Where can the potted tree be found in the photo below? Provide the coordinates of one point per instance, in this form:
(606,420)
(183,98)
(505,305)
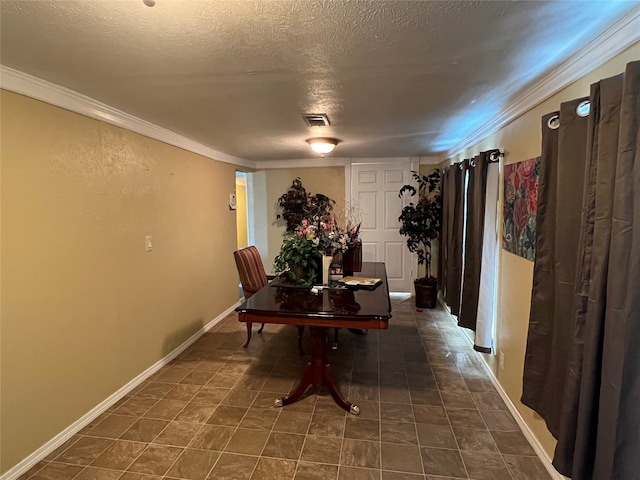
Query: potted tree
(420,223)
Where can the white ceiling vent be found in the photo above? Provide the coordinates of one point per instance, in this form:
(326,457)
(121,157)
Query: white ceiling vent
(316,119)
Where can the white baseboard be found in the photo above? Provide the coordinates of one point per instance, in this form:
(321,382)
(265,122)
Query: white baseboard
(79,424)
(526,431)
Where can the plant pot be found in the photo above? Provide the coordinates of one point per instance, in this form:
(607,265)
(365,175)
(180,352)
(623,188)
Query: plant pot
(426,293)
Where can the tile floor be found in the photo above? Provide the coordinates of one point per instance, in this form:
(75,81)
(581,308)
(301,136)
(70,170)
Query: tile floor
(428,412)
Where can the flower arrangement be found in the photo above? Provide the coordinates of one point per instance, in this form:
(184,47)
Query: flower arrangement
(312,230)
(326,235)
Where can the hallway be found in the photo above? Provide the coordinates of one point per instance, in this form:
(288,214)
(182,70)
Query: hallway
(429,412)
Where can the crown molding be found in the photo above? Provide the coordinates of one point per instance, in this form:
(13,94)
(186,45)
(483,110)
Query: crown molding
(301,163)
(617,38)
(30,86)
(430,160)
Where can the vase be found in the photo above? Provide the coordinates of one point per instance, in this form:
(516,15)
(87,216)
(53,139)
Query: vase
(352,260)
(326,263)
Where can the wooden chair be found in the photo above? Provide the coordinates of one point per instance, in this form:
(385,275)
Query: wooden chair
(253,278)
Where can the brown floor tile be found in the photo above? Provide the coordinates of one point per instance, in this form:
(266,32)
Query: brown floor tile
(112,426)
(327,425)
(401,476)
(138,476)
(56,471)
(212,437)
(119,455)
(488,401)
(136,406)
(431,414)
(193,464)
(352,473)
(446,463)
(452,399)
(198,377)
(292,422)
(474,440)
(156,460)
(178,434)
(182,392)
(247,442)
(284,445)
(84,451)
(195,413)
(316,471)
(259,419)
(398,432)
(154,390)
(526,468)
(219,397)
(466,418)
(145,430)
(227,415)
(274,469)
(358,453)
(485,466)
(436,436)
(396,412)
(240,398)
(423,396)
(171,375)
(369,409)
(92,473)
(362,429)
(512,443)
(499,420)
(321,450)
(402,458)
(233,467)
(210,395)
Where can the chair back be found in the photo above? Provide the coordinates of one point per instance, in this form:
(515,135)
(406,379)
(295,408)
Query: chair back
(251,271)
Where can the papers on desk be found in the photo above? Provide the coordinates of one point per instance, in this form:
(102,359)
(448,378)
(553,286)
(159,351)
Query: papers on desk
(362,282)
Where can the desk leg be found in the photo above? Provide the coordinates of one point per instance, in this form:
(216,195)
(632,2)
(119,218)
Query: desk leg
(317,373)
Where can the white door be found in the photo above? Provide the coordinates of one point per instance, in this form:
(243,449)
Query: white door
(374,189)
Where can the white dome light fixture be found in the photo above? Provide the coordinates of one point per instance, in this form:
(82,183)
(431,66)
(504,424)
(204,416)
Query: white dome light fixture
(322,145)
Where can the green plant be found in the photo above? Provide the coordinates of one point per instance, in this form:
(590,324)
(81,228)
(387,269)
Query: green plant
(296,205)
(298,260)
(420,221)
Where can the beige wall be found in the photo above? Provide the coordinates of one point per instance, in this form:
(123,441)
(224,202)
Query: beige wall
(241,213)
(520,140)
(84,307)
(326,180)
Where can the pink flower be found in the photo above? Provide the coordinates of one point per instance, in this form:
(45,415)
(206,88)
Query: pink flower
(527,167)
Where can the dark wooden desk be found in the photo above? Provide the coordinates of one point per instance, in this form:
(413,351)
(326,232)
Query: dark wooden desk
(329,308)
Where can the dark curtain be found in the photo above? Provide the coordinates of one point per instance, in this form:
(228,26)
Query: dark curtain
(558,224)
(444,229)
(582,372)
(476,201)
(453,204)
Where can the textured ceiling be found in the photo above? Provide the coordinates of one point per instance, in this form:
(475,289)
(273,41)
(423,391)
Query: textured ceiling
(396,78)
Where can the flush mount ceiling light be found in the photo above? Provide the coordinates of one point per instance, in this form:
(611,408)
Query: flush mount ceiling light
(322,144)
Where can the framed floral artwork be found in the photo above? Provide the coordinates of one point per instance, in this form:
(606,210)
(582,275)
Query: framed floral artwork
(520,206)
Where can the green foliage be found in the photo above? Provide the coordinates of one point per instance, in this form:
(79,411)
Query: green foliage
(420,221)
(298,260)
(296,205)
